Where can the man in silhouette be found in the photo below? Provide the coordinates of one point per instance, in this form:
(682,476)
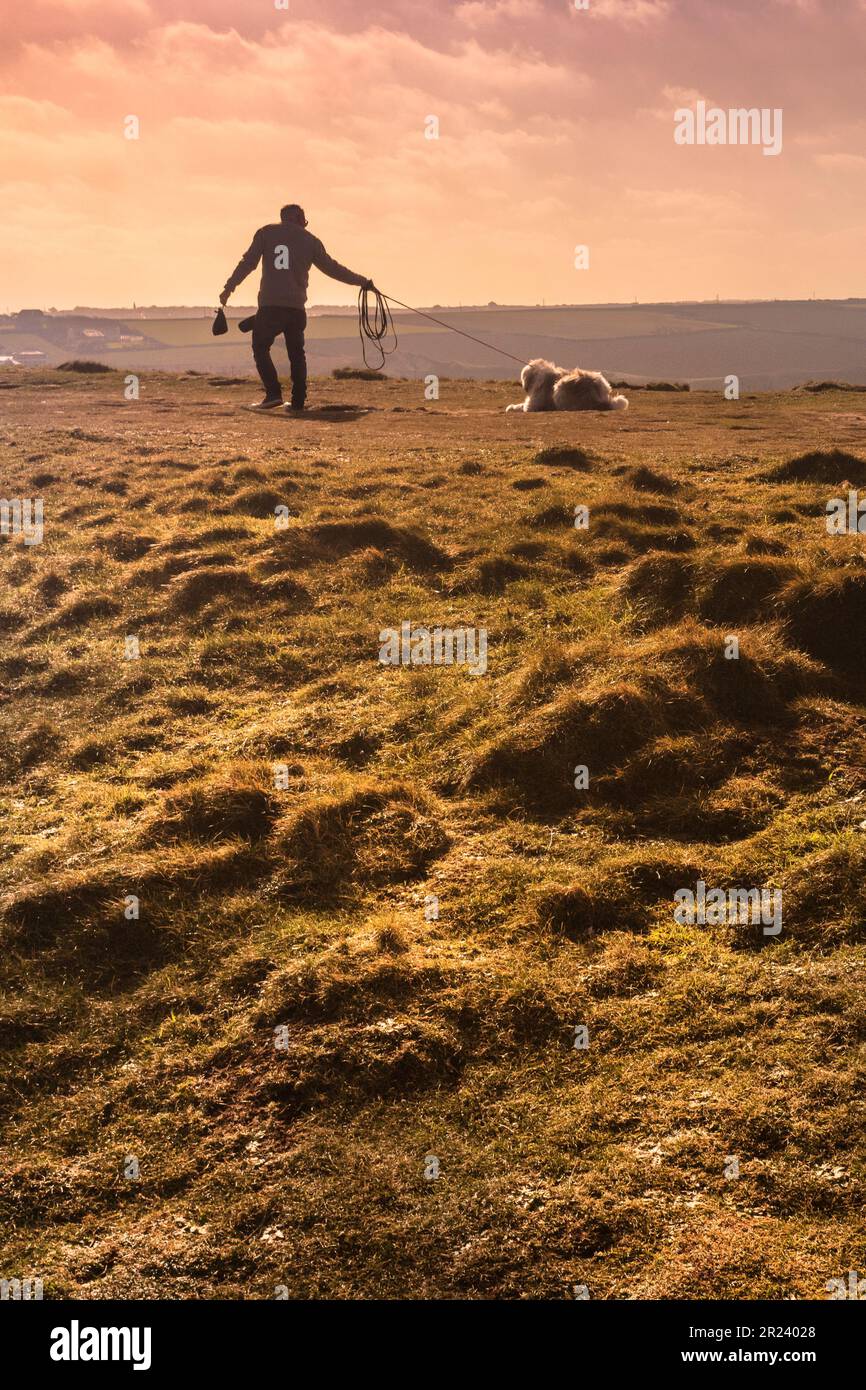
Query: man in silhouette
(286,250)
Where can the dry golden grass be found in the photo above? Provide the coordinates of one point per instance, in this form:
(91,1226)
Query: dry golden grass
(287,1030)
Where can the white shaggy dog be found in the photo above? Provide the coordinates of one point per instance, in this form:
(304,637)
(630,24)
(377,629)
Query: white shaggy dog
(553,388)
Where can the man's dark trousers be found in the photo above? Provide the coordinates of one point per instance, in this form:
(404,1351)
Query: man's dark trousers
(271,321)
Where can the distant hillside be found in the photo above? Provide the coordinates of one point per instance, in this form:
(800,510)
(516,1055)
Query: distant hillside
(769,345)
(57,336)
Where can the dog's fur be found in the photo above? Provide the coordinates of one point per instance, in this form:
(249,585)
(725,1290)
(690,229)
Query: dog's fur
(553,388)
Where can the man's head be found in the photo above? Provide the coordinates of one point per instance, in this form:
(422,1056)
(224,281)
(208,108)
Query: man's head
(292,212)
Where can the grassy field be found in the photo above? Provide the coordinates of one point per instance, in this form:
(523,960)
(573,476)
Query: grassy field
(372,905)
(600,324)
(197,332)
(768,346)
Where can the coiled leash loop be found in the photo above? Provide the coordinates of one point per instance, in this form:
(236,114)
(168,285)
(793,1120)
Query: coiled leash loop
(374,327)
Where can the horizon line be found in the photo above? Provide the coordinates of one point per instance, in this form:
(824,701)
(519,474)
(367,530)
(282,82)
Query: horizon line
(491,305)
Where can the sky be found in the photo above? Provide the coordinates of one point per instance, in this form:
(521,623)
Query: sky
(555,131)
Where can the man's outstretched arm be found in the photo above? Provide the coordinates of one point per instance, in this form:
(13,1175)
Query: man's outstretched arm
(245,266)
(328,266)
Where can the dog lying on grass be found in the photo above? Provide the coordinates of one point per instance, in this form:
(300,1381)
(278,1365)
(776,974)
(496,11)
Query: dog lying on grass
(553,388)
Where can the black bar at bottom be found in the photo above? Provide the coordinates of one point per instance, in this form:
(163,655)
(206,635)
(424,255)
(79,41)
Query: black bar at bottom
(83,1339)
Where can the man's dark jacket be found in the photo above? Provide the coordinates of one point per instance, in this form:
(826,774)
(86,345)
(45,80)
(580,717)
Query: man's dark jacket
(294,250)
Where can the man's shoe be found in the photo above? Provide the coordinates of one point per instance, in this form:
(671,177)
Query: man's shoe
(269,403)
(294,409)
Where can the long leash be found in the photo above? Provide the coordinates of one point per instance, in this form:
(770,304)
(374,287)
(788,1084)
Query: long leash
(376,324)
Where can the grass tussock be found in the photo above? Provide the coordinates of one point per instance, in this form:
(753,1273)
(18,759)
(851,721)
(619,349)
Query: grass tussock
(83,365)
(238,804)
(819,387)
(681,685)
(368,835)
(831,466)
(358,374)
(307,545)
(739,591)
(644,479)
(826,617)
(564,456)
(191,591)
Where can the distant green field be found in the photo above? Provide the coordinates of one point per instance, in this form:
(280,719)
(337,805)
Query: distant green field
(603,324)
(197,332)
(566,323)
(173,332)
(12,341)
(622,320)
